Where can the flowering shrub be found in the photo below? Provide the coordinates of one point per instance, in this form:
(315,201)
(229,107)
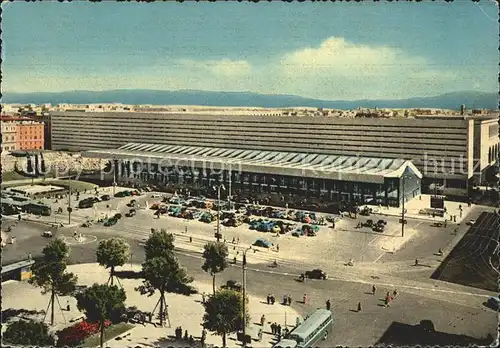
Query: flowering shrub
(74,335)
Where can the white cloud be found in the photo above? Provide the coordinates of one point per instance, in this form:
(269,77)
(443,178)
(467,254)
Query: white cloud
(339,69)
(222,67)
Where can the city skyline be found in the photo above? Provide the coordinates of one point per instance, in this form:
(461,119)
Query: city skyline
(314,50)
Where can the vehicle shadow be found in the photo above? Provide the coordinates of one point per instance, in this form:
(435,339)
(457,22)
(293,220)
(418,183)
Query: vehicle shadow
(129,274)
(11,313)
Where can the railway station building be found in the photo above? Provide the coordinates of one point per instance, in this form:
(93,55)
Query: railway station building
(243,172)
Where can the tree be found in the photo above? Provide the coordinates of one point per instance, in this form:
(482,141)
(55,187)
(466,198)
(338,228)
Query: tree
(224,313)
(159,243)
(215,255)
(162,274)
(50,273)
(111,253)
(28,333)
(99,301)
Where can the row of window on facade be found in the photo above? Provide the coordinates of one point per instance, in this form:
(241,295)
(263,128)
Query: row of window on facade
(281,181)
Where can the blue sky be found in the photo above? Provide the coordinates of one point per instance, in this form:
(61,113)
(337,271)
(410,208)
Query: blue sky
(318,50)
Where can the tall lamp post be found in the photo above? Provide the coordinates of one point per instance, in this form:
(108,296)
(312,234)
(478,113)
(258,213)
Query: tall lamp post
(403,207)
(218,187)
(244,270)
(114,177)
(69,209)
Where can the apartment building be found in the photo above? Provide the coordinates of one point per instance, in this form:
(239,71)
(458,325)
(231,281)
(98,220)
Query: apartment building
(9,134)
(30,135)
(445,149)
(21,133)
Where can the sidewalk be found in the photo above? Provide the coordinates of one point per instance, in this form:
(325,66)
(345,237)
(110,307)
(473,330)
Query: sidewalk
(416,204)
(184,311)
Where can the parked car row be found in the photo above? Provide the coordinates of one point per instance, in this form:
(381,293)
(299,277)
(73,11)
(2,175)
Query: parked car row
(112,220)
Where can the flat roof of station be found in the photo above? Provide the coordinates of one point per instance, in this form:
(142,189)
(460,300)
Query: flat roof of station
(347,168)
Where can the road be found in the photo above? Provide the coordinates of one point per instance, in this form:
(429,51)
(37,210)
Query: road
(450,307)
(449,310)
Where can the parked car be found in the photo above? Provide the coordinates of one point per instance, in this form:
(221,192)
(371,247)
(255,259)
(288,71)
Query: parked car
(316,274)
(262,243)
(493,302)
(110,222)
(47,234)
(232,285)
(471,222)
(367,223)
(105,197)
(155,195)
(86,203)
(131,213)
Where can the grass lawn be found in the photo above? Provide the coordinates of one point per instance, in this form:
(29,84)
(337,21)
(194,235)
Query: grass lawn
(110,333)
(7,176)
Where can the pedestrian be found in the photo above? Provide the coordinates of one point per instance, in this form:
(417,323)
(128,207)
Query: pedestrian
(273,299)
(234,240)
(273,328)
(374,289)
(285,299)
(68,307)
(359,306)
(328,305)
(262,320)
(278,246)
(29,256)
(289,300)
(186,336)
(297,321)
(279,331)
(416,262)
(268,298)
(238,240)
(191,340)
(203,297)
(395,293)
(304,299)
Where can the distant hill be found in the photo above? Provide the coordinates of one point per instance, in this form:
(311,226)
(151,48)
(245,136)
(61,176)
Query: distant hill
(209,98)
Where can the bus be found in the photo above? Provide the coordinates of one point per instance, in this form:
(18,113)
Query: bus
(38,209)
(315,328)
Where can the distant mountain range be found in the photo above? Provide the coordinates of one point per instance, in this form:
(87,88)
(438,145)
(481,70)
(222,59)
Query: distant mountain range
(210,98)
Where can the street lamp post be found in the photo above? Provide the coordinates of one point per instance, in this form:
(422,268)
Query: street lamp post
(69,200)
(218,187)
(244,270)
(114,178)
(403,207)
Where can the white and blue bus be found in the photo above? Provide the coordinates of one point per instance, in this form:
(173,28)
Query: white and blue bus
(315,328)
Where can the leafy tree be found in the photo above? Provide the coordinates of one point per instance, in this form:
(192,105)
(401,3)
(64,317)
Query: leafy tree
(111,253)
(215,255)
(28,333)
(162,274)
(159,243)
(224,313)
(50,273)
(99,301)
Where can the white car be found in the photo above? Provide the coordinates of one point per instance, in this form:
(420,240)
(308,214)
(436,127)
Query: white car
(155,195)
(47,234)
(471,222)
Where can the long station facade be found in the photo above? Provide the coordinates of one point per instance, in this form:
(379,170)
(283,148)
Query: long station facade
(448,151)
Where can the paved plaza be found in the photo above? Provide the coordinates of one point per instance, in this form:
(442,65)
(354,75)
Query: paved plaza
(184,311)
(386,260)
